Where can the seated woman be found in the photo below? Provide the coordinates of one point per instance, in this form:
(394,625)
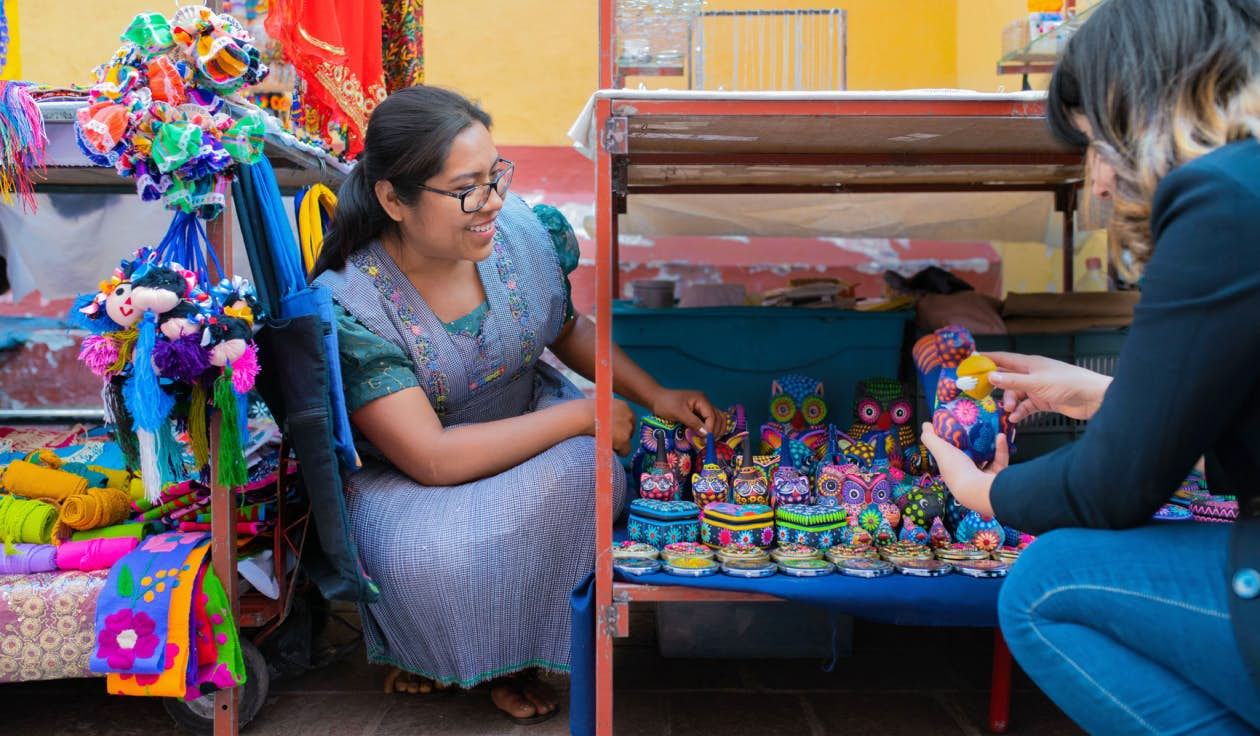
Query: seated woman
(474,510)
(1134,626)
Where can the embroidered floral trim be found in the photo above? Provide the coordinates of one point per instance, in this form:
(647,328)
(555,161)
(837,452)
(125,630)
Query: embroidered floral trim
(516,304)
(436,383)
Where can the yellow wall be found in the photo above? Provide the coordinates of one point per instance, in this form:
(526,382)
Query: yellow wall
(12,68)
(64,40)
(980,24)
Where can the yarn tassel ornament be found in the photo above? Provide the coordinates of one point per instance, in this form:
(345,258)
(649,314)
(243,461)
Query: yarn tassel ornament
(198,433)
(124,426)
(182,360)
(149,405)
(24,140)
(232,472)
(98,353)
(245,369)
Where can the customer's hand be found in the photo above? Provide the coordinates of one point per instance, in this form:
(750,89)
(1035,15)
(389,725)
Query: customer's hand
(689,408)
(969,483)
(1033,383)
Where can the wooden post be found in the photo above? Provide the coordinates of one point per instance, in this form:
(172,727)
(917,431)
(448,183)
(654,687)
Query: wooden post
(222,508)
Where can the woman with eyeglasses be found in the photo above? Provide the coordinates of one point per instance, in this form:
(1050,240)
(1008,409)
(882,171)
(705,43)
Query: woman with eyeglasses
(1134,626)
(474,511)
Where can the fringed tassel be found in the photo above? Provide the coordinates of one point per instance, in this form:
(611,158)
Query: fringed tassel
(232,471)
(170,456)
(126,340)
(198,436)
(150,473)
(124,425)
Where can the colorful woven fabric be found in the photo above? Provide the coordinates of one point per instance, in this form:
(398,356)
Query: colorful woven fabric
(402,43)
(335,47)
(22,137)
(144,613)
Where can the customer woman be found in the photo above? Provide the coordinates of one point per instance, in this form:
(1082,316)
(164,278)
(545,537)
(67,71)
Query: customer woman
(1133,626)
(474,511)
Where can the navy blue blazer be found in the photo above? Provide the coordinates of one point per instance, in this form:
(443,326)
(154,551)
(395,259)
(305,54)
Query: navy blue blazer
(1187,383)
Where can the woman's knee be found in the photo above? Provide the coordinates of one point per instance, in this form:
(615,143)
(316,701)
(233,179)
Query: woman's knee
(1035,574)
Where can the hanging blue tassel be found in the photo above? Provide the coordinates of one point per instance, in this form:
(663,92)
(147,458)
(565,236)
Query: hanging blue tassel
(170,456)
(148,403)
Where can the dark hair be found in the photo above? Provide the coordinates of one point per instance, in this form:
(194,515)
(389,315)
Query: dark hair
(408,138)
(1161,83)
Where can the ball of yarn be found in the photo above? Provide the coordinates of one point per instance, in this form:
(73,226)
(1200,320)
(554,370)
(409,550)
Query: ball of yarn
(97,508)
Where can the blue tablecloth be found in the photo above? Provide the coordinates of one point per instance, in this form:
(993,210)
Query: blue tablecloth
(952,600)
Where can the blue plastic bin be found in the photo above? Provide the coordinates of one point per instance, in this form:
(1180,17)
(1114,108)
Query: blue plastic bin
(733,353)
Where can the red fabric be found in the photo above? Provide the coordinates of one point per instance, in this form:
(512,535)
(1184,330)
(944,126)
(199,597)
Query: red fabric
(335,47)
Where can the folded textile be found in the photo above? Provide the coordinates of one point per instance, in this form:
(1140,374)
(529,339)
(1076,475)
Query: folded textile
(242,527)
(135,530)
(94,554)
(144,616)
(97,508)
(28,559)
(29,480)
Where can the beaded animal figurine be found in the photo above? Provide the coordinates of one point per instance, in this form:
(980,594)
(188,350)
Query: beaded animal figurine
(855,536)
(921,504)
(829,478)
(710,485)
(913,533)
(883,416)
(788,485)
(659,483)
(749,484)
(964,411)
(938,535)
(862,491)
(677,447)
(884,534)
(974,523)
(798,413)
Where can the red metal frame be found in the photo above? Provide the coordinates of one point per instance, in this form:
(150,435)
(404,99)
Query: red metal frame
(612,599)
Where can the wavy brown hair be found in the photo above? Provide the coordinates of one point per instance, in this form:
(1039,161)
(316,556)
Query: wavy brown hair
(1161,83)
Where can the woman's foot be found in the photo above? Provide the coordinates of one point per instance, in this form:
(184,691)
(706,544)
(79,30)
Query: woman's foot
(523,699)
(398,680)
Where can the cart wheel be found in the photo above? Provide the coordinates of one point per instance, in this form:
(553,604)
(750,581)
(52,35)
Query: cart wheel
(197,716)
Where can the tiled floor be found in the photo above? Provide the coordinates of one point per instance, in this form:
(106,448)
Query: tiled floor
(898,680)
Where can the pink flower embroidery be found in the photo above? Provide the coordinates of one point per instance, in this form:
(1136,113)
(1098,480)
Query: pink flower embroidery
(724,537)
(167,664)
(161,543)
(767,536)
(128,634)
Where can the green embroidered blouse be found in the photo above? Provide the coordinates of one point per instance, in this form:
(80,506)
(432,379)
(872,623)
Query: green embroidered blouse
(372,367)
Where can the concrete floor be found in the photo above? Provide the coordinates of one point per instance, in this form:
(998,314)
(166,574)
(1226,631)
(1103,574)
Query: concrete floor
(898,680)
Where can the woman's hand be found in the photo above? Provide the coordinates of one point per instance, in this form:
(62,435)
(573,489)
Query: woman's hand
(689,408)
(623,422)
(1032,383)
(969,484)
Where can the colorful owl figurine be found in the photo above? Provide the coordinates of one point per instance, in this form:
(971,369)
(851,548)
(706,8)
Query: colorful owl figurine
(964,411)
(659,483)
(710,484)
(749,484)
(788,485)
(798,414)
(883,417)
(677,448)
(864,493)
(829,478)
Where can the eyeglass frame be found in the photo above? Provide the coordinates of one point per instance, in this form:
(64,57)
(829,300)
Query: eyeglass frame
(462,194)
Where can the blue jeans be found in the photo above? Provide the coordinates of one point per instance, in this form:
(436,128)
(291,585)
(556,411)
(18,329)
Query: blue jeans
(1129,631)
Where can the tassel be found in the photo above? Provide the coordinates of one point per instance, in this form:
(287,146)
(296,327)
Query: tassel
(126,342)
(170,456)
(146,400)
(231,453)
(124,425)
(98,353)
(149,472)
(198,436)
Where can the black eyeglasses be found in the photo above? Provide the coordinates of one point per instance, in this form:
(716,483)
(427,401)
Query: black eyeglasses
(475,197)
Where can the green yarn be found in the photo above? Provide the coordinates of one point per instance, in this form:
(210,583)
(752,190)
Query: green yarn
(198,437)
(232,472)
(30,522)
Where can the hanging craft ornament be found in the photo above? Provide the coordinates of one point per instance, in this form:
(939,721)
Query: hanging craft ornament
(22,142)
(162,335)
(158,115)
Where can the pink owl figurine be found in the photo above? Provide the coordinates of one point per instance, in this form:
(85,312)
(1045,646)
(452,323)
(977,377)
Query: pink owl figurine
(659,483)
(862,491)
